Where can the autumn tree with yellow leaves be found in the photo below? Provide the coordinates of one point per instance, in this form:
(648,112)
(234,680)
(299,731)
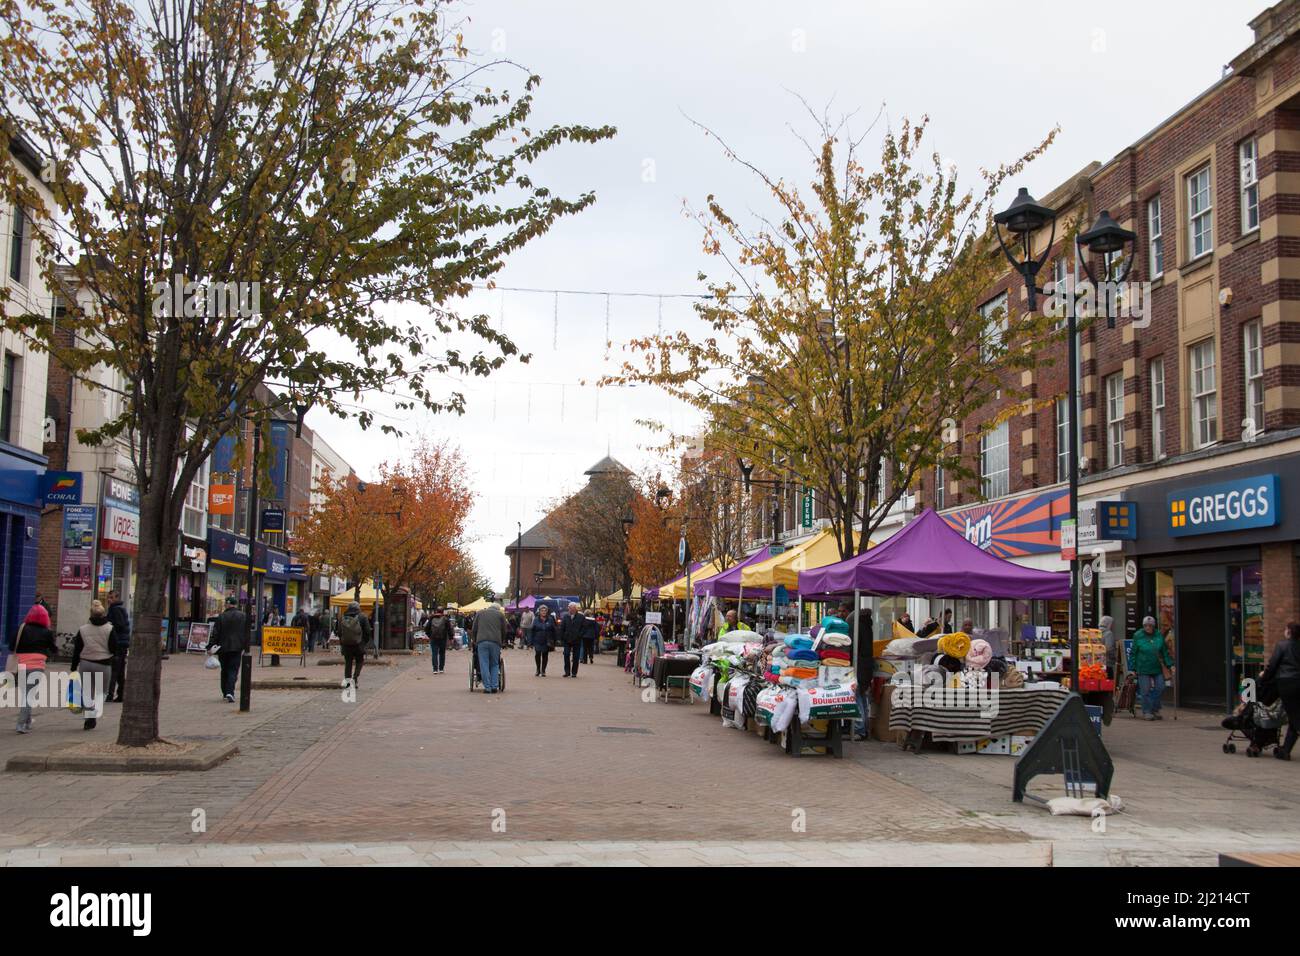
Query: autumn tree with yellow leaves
(847,330)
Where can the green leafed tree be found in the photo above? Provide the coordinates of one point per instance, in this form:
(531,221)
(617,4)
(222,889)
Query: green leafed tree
(348,165)
(850,331)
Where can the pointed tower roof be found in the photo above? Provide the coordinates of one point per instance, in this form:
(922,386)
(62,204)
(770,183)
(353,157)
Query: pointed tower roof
(608,466)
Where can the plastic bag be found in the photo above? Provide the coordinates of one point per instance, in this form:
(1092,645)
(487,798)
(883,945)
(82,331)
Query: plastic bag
(72,700)
(211,662)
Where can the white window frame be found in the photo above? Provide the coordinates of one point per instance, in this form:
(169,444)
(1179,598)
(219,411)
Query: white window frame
(1115,420)
(992,333)
(1155,238)
(1060,285)
(1203,394)
(1248,183)
(1157,378)
(196,504)
(939,491)
(1252,348)
(1063,439)
(1200,213)
(995,461)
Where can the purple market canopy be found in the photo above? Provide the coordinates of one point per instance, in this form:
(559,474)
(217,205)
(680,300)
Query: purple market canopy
(930,559)
(527,604)
(653,593)
(727,584)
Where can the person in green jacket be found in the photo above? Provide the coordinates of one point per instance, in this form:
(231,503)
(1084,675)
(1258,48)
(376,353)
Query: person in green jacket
(1149,659)
(731,624)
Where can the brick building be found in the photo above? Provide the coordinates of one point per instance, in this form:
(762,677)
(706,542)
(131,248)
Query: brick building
(1194,416)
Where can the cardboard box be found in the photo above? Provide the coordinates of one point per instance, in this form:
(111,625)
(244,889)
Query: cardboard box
(879,726)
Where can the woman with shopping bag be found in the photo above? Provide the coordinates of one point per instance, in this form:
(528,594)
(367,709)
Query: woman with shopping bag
(92,658)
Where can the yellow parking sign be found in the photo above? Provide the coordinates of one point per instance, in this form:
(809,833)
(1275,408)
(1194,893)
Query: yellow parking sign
(282,640)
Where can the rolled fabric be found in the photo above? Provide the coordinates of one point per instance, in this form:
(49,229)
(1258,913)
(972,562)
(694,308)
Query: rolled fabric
(955,645)
(979,655)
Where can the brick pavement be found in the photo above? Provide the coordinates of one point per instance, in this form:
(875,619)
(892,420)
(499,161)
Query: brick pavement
(419,770)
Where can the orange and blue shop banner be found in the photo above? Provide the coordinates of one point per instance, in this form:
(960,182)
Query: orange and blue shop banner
(1015,527)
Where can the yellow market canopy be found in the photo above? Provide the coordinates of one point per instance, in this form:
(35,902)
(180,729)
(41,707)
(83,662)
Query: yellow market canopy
(616,598)
(677,590)
(783,570)
(475,606)
(367,599)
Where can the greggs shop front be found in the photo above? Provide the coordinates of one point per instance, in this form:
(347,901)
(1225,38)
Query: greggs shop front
(1216,567)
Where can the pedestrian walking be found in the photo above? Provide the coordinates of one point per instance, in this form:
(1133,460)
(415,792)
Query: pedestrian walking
(437,627)
(541,638)
(229,636)
(486,637)
(1108,640)
(121,645)
(1150,660)
(1283,670)
(526,627)
(590,630)
(354,634)
(572,630)
(92,657)
(33,645)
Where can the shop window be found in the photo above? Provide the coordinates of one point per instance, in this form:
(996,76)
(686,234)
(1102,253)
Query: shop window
(1248,181)
(1200,214)
(1246,620)
(1157,379)
(1252,348)
(1205,408)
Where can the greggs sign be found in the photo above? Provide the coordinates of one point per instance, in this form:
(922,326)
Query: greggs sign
(1226,506)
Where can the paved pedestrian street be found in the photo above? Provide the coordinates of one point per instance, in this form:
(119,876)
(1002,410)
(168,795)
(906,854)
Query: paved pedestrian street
(420,771)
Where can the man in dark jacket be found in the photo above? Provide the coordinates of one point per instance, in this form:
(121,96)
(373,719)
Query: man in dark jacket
(437,627)
(121,642)
(865,635)
(354,634)
(573,628)
(230,633)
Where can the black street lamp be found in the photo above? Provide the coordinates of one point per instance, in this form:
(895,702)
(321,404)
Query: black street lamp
(1022,219)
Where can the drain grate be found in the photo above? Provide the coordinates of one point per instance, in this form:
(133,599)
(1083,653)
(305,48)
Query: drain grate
(624,730)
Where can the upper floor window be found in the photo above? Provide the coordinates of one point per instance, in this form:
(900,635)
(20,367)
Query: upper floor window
(994,316)
(1248,165)
(18,247)
(1200,214)
(995,462)
(938,487)
(8,432)
(1062,439)
(194,512)
(1252,347)
(1205,408)
(1115,420)
(1157,379)
(1155,239)
(547,568)
(1061,283)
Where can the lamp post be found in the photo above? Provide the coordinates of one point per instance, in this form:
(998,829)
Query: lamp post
(1024,217)
(519,554)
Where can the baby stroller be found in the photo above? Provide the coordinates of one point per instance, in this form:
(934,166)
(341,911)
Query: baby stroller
(1258,723)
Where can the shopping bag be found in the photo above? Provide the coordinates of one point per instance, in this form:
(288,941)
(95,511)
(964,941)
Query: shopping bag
(72,699)
(211,662)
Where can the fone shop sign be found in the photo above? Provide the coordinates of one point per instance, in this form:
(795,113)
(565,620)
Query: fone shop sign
(1225,506)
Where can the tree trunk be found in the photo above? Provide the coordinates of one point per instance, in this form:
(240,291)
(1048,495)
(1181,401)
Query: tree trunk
(139,723)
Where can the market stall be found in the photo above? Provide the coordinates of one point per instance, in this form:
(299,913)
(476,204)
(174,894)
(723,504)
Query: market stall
(942,686)
(366,596)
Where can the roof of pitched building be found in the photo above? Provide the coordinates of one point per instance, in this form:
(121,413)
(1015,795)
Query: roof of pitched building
(608,465)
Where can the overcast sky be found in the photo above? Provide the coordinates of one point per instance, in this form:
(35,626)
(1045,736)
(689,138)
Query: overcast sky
(994,78)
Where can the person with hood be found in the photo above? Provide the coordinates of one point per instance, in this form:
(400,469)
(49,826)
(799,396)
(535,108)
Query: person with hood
(1150,660)
(92,656)
(33,645)
(437,627)
(230,635)
(354,634)
(486,638)
(121,644)
(1108,639)
(300,621)
(541,637)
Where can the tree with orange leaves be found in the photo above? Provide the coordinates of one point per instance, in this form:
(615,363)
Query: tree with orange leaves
(407,528)
(652,539)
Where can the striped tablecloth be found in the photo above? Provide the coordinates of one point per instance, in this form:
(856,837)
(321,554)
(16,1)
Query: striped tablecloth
(1008,711)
